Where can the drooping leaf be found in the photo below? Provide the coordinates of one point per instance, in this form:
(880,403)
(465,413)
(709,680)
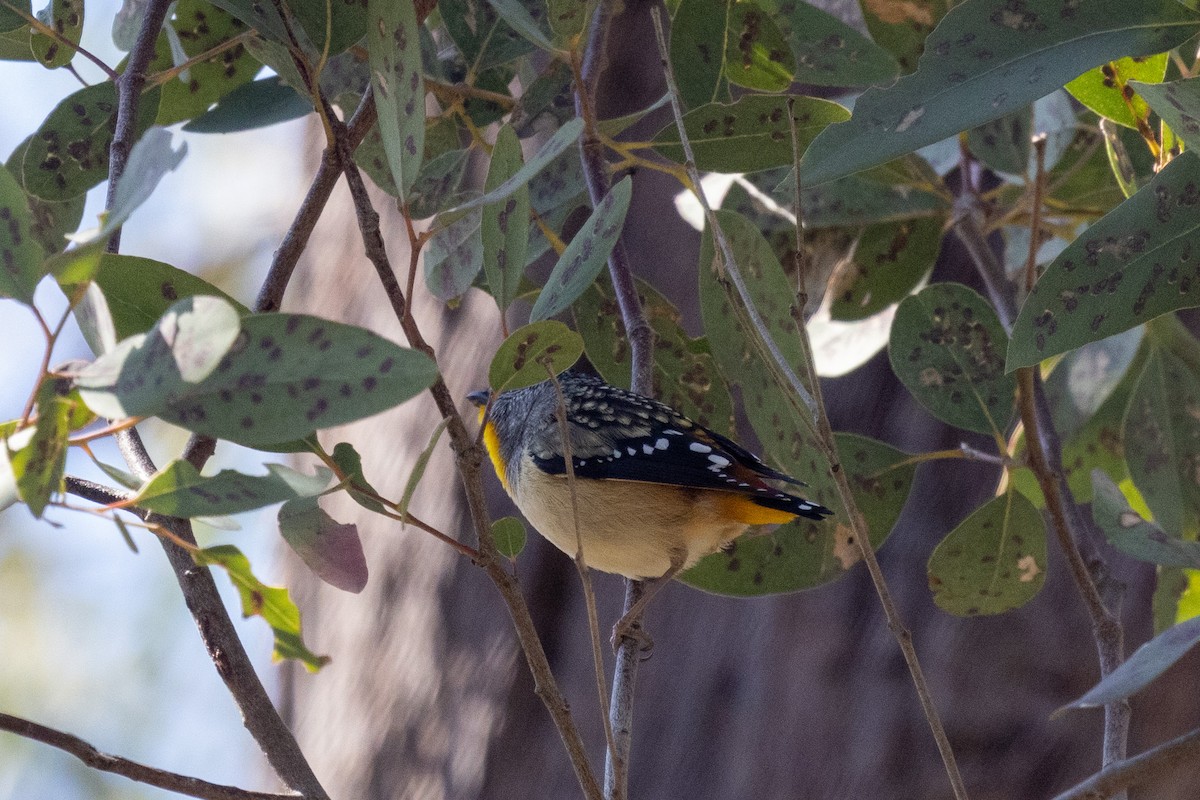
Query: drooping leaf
(199,27)
(993,562)
(1132,534)
(698,49)
(1139,261)
(419,467)
(39,465)
(350,463)
(1178,103)
(1103,89)
(804,554)
(252,105)
(878,195)
(285,375)
(65,17)
(509,534)
(150,159)
(1147,663)
(986,59)
(563,138)
(586,255)
(1162,442)
(752,133)
(947,348)
(455,256)
(332,550)
(140,290)
(532,353)
(178,490)
(50,222)
(757,55)
(272,603)
(890,260)
(395,50)
(828,51)
(20,253)
(69,153)
(505,224)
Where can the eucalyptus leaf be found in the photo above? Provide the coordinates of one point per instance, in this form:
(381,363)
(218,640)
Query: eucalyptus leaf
(178,490)
(1132,534)
(532,353)
(395,51)
(504,226)
(252,105)
(20,253)
(331,549)
(1178,103)
(509,535)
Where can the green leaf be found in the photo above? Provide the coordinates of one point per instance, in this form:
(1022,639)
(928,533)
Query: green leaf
(1147,663)
(869,197)
(20,253)
(947,348)
(586,255)
(1004,143)
(419,467)
(1129,532)
(140,290)
(483,38)
(455,256)
(14,45)
(150,159)
(198,27)
(252,105)
(828,51)
(519,19)
(350,463)
(986,59)
(287,376)
(69,153)
(804,554)
(437,184)
(10,494)
(178,490)
(50,222)
(563,138)
(263,17)
(509,535)
(505,224)
(39,465)
(10,20)
(749,134)
(1128,158)
(901,28)
(567,18)
(1136,263)
(1162,442)
(1178,103)
(395,49)
(1103,89)
(346,20)
(698,49)
(332,550)
(1085,378)
(890,260)
(269,602)
(531,354)
(757,56)
(65,17)
(993,562)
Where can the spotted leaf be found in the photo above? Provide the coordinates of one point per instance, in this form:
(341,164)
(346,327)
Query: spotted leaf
(1178,103)
(505,223)
(178,490)
(395,50)
(532,353)
(20,252)
(890,260)
(828,51)
(1103,89)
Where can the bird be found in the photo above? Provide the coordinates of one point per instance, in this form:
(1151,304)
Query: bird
(653,491)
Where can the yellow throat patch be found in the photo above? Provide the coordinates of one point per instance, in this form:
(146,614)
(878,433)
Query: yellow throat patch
(491,440)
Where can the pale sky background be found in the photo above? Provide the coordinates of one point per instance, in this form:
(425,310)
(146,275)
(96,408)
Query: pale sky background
(95,640)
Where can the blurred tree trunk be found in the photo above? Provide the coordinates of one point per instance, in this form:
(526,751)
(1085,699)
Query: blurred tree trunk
(797,696)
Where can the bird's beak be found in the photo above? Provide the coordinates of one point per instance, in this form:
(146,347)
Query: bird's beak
(479,398)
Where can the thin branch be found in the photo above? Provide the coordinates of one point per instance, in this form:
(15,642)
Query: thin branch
(1044,447)
(1122,775)
(619,725)
(468,458)
(63,41)
(151,776)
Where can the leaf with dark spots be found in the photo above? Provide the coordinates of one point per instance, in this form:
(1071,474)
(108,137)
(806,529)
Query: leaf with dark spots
(1162,442)
(65,17)
(455,256)
(21,254)
(757,56)
(1139,261)
(532,353)
(889,261)
(398,87)
(586,255)
(829,52)
(1132,534)
(947,347)
(504,226)
(272,603)
(749,134)
(178,490)
(198,369)
(1178,103)
(38,466)
(993,562)
(697,54)
(986,59)
(1103,89)
(901,28)
(481,36)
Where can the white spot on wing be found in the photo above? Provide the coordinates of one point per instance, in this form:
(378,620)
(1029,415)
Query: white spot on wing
(661,444)
(699,447)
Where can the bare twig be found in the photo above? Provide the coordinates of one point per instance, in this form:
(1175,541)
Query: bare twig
(641,344)
(151,776)
(468,458)
(1124,774)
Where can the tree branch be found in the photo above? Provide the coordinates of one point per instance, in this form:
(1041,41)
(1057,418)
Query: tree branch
(1121,775)
(151,776)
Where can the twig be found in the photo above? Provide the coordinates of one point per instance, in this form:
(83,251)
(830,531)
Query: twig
(151,776)
(468,458)
(1121,775)
(641,344)
(828,443)
(48,30)
(1044,449)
